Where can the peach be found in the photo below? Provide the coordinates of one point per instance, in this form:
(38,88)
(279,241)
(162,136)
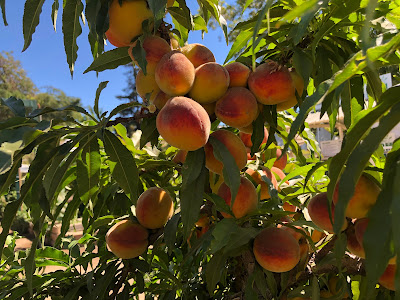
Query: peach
(146,86)
(289,207)
(125,21)
(127,239)
(287,104)
(154,208)
(365,195)
(352,243)
(319,213)
(210,83)
(279,174)
(161,99)
(184,124)
(234,145)
(271,83)
(280,162)
(299,87)
(245,202)
(175,74)
(300,238)
(180,156)
(246,138)
(238,74)
(198,54)
(155,47)
(209,107)
(276,250)
(264,193)
(317,235)
(237,108)
(387,278)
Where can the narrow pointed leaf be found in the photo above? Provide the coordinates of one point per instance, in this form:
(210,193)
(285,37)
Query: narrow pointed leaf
(110,60)
(32,11)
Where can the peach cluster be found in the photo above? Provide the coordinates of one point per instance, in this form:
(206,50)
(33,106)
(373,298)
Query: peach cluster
(127,239)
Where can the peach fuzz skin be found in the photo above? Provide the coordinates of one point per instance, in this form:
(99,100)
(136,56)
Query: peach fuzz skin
(146,85)
(299,86)
(234,145)
(276,250)
(280,162)
(238,74)
(127,239)
(319,213)
(246,200)
(155,48)
(387,278)
(198,54)
(365,195)
(211,83)
(237,108)
(154,208)
(264,193)
(184,124)
(174,74)
(271,83)
(126,21)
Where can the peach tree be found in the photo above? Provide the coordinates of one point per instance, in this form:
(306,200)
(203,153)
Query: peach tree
(200,202)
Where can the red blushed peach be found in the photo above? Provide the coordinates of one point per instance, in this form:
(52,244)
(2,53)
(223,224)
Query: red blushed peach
(289,207)
(300,238)
(184,124)
(154,208)
(271,83)
(175,74)
(352,243)
(276,250)
(210,83)
(180,156)
(279,175)
(198,54)
(246,200)
(299,86)
(365,195)
(155,48)
(238,74)
(319,213)
(246,138)
(280,162)
(387,278)
(127,239)
(146,86)
(257,177)
(125,21)
(235,146)
(161,99)
(287,104)
(237,108)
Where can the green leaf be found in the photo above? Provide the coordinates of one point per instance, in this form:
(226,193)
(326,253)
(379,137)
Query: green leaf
(54,13)
(240,42)
(214,269)
(3,11)
(88,171)
(45,110)
(32,11)
(7,179)
(15,105)
(69,214)
(102,86)
(110,60)
(182,15)
(215,10)
(170,231)
(71,28)
(192,189)
(230,169)
(52,253)
(17,122)
(358,160)
(122,165)
(220,204)
(149,132)
(158,9)
(258,134)
(120,108)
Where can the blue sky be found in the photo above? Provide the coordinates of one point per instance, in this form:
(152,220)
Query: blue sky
(45,60)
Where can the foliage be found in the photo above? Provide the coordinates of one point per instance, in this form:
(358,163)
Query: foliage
(336,46)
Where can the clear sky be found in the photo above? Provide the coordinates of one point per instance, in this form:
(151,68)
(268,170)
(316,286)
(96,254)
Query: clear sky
(45,61)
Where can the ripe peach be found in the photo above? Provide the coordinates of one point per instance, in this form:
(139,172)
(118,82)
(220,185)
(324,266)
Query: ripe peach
(184,124)
(234,145)
(237,108)
(246,138)
(246,200)
(319,213)
(155,47)
(289,207)
(387,278)
(238,74)
(175,74)
(299,86)
(210,83)
(279,174)
(198,54)
(353,244)
(271,83)
(300,238)
(365,195)
(154,208)
(146,86)
(209,107)
(317,235)
(287,104)
(276,250)
(180,156)
(127,239)
(126,21)
(281,162)
(161,99)
(264,193)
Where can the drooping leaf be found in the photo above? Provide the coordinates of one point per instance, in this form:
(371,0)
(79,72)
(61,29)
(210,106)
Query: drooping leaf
(257,135)
(214,269)
(3,11)
(110,60)
(32,11)
(122,165)
(54,13)
(15,105)
(102,86)
(149,132)
(170,231)
(158,10)
(240,42)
